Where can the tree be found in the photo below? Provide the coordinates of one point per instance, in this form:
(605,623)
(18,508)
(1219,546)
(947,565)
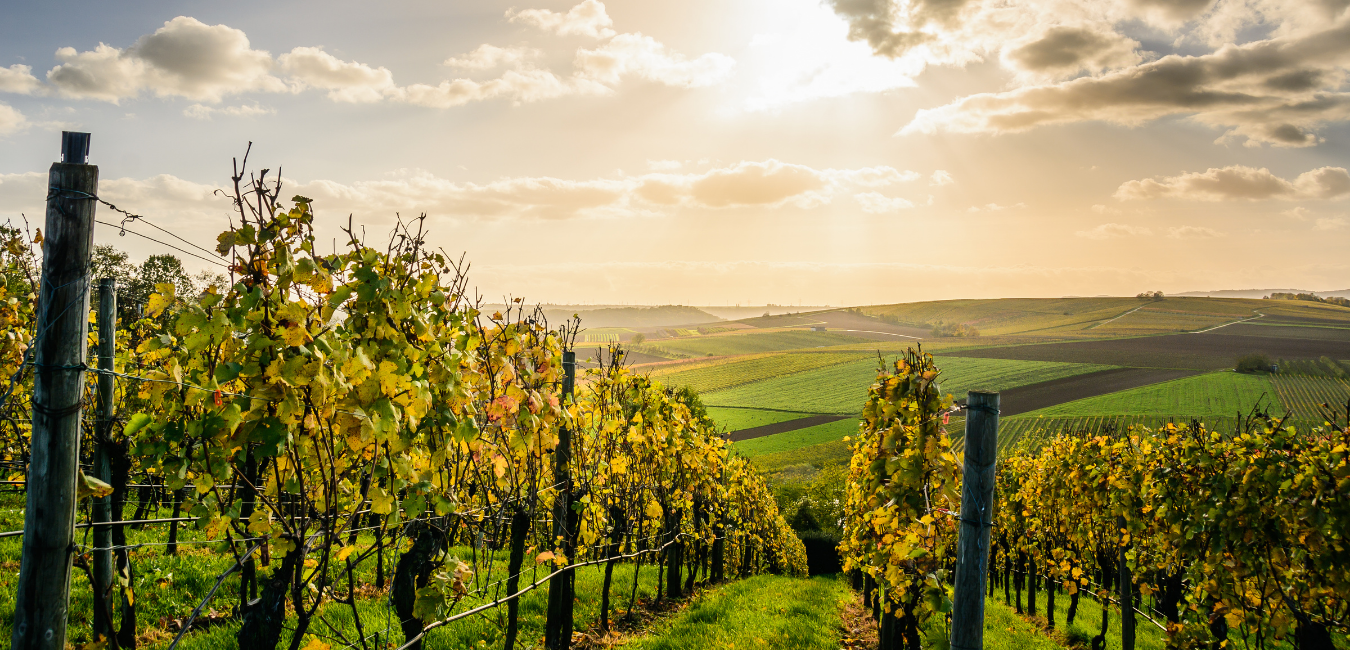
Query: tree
(158,269)
(639,338)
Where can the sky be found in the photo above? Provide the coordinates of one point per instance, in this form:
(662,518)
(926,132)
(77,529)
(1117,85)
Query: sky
(721,152)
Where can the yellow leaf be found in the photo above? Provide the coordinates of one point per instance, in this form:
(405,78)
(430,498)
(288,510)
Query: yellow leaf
(316,644)
(157,304)
(88,486)
(543,557)
(344,552)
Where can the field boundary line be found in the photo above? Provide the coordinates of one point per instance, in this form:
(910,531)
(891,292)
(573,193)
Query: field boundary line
(1118,317)
(1227,324)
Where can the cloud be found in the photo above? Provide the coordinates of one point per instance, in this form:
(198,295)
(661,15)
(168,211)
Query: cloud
(204,112)
(769,184)
(1063,50)
(878,203)
(940,178)
(994,207)
(1114,231)
(11,120)
(520,86)
(1272,91)
(487,57)
(643,56)
(664,165)
(1239,182)
(1193,232)
(1299,213)
(892,29)
(19,79)
(586,19)
(1332,223)
(184,58)
(345,81)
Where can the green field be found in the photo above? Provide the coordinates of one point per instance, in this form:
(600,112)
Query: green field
(735,419)
(735,372)
(789,440)
(1304,396)
(842,389)
(728,344)
(1078,317)
(1216,393)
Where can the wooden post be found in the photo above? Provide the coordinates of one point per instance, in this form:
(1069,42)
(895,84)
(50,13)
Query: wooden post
(43,591)
(977,504)
(1126,596)
(102,510)
(558,626)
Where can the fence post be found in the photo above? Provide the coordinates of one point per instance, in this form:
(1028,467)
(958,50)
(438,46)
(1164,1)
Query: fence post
(558,626)
(1126,595)
(102,510)
(43,591)
(977,504)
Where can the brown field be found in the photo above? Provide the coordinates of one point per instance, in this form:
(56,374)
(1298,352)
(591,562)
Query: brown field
(783,427)
(1210,351)
(1024,399)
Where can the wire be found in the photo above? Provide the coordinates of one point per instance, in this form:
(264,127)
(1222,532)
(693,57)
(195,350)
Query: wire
(185,252)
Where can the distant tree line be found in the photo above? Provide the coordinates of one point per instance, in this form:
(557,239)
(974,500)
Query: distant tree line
(957,330)
(135,282)
(1150,295)
(1310,297)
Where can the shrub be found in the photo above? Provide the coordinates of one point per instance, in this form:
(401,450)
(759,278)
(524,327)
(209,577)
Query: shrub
(1255,362)
(639,338)
(954,330)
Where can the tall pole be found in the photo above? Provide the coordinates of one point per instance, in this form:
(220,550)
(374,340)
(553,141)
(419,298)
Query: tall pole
(42,595)
(977,513)
(102,510)
(558,627)
(1126,596)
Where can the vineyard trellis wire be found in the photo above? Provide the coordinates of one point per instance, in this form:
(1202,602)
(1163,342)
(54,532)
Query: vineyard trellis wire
(329,410)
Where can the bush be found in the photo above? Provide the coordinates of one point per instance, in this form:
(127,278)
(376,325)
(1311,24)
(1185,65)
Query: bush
(954,330)
(639,339)
(1253,363)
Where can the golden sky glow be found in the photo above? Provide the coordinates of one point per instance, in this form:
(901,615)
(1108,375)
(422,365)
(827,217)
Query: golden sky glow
(732,151)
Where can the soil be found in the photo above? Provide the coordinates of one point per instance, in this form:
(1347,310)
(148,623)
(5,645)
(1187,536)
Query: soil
(783,427)
(1024,399)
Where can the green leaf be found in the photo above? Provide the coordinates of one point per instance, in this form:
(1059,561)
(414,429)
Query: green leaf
(136,423)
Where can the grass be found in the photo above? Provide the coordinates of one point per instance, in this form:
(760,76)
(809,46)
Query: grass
(735,419)
(1216,393)
(728,373)
(1304,396)
(801,465)
(841,389)
(1082,317)
(752,342)
(170,587)
(760,612)
(790,440)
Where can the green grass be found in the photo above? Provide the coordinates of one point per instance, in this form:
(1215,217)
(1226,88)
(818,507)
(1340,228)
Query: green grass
(790,440)
(1217,393)
(735,419)
(801,465)
(729,344)
(842,389)
(760,612)
(1005,630)
(728,373)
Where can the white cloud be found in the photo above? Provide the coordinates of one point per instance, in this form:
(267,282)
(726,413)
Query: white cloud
(642,56)
(19,79)
(1193,232)
(940,178)
(586,19)
(204,112)
(878,203)
(1298,214)
(995,207)
(1238,182)
(1274,91)
(487,57)
(520,86)
(1114,231)
(1332,223)
(345,81)
(184,58)
(11,120)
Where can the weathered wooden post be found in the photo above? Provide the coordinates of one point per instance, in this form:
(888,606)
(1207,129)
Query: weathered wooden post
(102,510)
(558,627)
(43,591)
(977,511)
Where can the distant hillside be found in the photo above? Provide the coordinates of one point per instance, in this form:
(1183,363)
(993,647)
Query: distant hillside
(1259,293)
(738,312)
(632,316)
